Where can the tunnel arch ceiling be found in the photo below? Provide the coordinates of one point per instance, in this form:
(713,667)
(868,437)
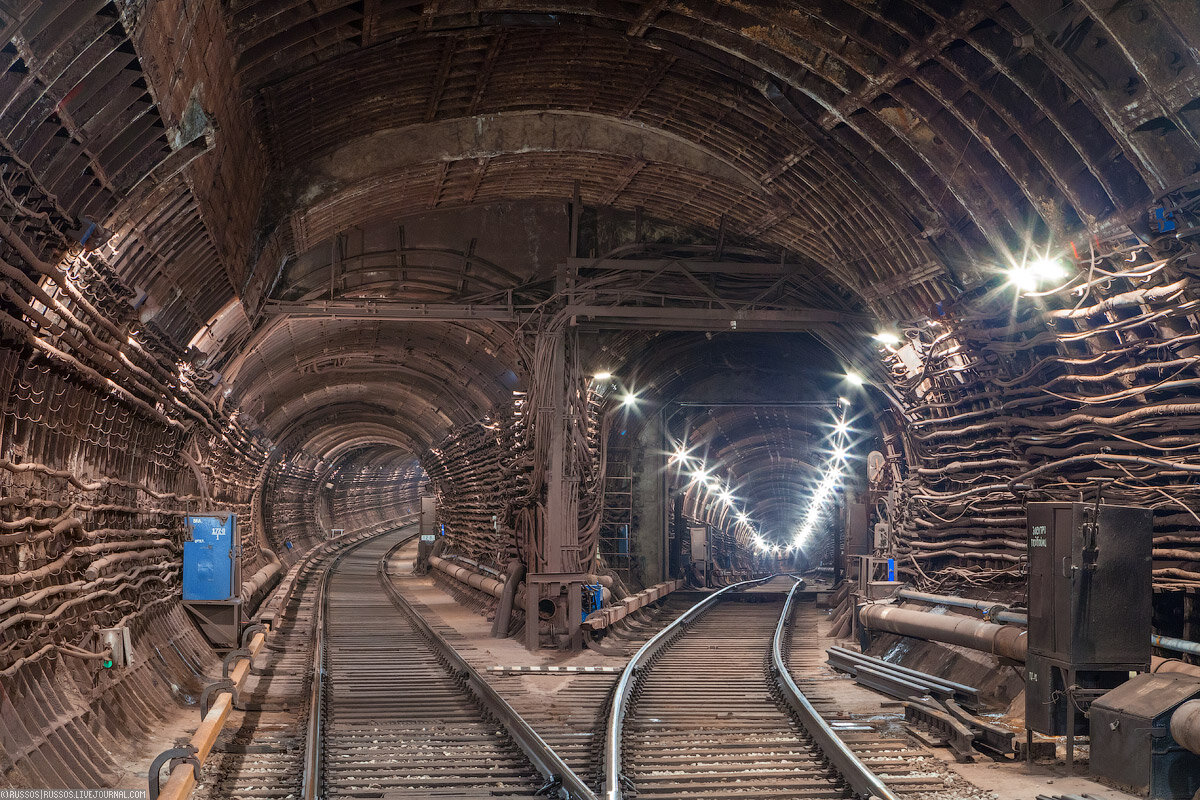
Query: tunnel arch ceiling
(903,152)
(848,117)
(900,150)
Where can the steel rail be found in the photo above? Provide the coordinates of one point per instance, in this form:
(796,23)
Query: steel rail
(543,758)
(310,785)
(633,670)
(861,780)
(183,778)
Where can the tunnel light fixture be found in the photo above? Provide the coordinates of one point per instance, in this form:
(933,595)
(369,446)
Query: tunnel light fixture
(888,338)
(1033,275)
(602,375)
(629,399)
(853,378)
(841,427)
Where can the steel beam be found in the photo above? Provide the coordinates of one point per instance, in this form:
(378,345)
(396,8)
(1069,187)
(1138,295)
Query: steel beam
(693,266)
(601,316)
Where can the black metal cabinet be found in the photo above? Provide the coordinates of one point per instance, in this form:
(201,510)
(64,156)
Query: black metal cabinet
(1089,607)
(1131,737)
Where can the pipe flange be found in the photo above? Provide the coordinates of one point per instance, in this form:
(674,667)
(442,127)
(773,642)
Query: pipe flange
(991,612)
(173,757)
(210,691)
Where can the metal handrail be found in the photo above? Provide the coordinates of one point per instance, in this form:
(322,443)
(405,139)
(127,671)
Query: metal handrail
(627,683)
(861,780)
(540,754)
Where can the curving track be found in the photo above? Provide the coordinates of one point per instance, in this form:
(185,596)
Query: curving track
(397,722)
(401,716)
(706,724)
(707,711)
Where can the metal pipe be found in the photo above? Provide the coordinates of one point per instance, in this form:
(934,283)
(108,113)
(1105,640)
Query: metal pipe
(1178,645)
(860,778)
(1185,726)
(994,611)
(990,609)
(1002,640)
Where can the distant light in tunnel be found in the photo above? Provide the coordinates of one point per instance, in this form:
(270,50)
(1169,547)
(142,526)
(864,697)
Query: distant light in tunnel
(603,375)
(841,427)
(853,378)
(681,455)
(887,338)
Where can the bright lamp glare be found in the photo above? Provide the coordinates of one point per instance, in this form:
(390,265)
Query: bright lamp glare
(1032,275)
(854,379)
(887,337)
(603,375)
(629,399)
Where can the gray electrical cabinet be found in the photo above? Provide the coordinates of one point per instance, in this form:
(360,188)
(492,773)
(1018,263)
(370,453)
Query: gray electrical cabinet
(1131,737)
(1089,608)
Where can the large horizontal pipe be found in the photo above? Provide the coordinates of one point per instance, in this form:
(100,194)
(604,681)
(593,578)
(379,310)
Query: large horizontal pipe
(1185,726)
(1002,640)
(1017,618)
(1178,645)
(977,634)
(1005,640)
(468,576)
(595,621)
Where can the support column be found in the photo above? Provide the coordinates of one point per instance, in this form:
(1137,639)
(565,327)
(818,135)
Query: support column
(556,576)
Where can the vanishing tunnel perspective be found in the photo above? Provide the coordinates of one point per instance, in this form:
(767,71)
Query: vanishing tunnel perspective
(600,398)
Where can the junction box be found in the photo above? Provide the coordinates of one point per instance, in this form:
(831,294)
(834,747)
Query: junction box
(1132,744)
(212,577)
(1089,609)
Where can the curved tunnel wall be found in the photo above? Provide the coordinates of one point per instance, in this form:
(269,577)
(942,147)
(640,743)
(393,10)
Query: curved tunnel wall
(899,161)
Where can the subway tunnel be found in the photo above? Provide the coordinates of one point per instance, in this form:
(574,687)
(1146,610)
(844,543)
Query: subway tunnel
(568,335)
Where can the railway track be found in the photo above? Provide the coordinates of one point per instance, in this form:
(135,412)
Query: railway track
(394,711)
(886,751)
(704,711)
(709,709)
(262,758)
(396,721)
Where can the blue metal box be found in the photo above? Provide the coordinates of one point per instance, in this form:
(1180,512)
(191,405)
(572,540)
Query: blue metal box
(209,563)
